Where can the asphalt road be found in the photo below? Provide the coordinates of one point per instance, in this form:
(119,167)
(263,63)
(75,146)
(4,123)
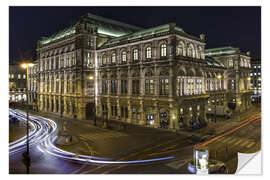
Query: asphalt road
(47,159)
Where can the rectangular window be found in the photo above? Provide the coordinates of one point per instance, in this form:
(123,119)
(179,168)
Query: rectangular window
(124,87)
(164,86)
(73,59)
(104,86)
(122,111)
(135,86)
(126,112)
(114,86)
(149,86)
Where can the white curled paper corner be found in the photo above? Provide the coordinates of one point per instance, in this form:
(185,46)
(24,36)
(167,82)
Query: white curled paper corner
(249,163)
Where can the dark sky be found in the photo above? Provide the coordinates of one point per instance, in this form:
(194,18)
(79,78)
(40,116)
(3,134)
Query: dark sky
(223,26)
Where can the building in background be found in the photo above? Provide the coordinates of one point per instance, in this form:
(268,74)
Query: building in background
(17,84)
(237,77)
(159,77)
(255,75)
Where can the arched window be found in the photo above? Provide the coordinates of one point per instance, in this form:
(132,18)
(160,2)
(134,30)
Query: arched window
(148,52)
(241,63)
(104,59)
(124,56)
(230,63)
(246,63)
(135,54)
(163,50)
(200,52)
(180,49)
(113,58)
(190,51)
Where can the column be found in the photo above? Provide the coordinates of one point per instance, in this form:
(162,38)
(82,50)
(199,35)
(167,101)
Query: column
(118,109)
(142,119)
(129,112)
(171,82)
(156,115)
(55,105)
(173,116)
(81,109)
(109,109)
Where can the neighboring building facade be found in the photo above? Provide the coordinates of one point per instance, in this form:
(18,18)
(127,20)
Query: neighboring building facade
(158,77)
(17,84)
(255,75)
(237,76)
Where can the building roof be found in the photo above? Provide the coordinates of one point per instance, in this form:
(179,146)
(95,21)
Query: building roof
(138,34)
(212,62)
(221,51)
(147,33)
(105,26)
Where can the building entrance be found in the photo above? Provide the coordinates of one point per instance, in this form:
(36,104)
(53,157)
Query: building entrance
(90,110)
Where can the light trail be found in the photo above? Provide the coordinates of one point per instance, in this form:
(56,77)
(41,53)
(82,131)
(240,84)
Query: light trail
(43,136)
(246,122)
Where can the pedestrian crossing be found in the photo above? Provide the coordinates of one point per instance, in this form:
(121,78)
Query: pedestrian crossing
(236,142)
(176,164)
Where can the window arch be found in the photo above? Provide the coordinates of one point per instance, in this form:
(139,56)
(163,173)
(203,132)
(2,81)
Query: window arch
(180,49)
(113,58)
(163,49)
(200,52)
(148,52)
(190,50)
(124,56)
(104,59)
(135,54)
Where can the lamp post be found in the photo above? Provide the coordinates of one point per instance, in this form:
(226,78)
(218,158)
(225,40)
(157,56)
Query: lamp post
(26,156)
(95,120)
(239,103)
(218,77)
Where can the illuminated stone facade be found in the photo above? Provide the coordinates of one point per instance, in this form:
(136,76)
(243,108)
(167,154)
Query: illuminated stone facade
(158,77)
(237,76)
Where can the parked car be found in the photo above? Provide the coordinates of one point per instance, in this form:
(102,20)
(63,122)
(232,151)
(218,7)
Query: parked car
(214,167)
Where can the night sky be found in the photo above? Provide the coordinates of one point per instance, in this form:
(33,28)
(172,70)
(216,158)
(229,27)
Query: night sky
(223,26)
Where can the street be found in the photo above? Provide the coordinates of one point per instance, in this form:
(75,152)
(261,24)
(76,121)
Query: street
(167,153)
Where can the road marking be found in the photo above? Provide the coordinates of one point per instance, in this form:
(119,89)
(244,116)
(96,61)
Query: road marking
(221,139)
(178,164)
(251,144)
(245,143)
(232,141)
(240,140)
(227,139)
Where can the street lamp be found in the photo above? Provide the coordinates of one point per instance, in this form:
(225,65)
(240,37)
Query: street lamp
(95,120)
(27,157)
(218,77)
(239,103)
